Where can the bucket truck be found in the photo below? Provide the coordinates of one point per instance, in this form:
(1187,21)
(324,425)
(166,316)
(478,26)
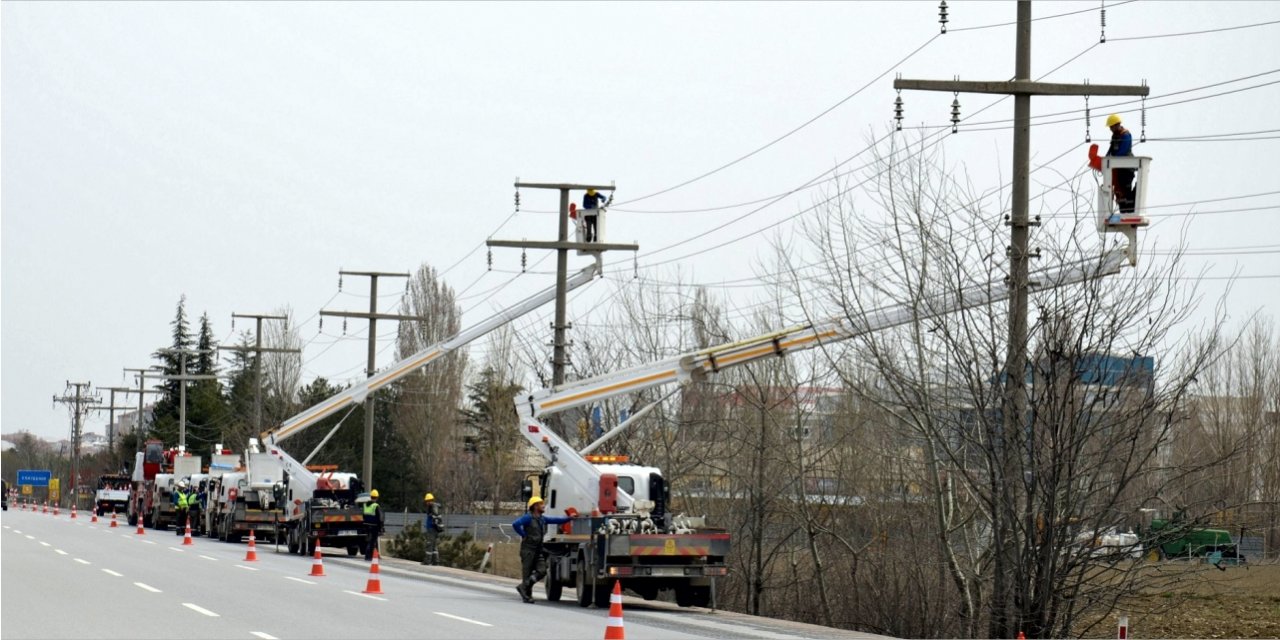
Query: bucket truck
(154,470)
(320,503)
(630,536)
(249,498)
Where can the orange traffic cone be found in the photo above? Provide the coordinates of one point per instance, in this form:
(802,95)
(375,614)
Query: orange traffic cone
(186,539)
(317,565)
(1021,635)
(375,583)
(55,508)
(113,520)
(46,507)
(73,512)
(615,631)
(94,517)
(252,554)
(140,531)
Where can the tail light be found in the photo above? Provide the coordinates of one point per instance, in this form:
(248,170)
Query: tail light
(620,571)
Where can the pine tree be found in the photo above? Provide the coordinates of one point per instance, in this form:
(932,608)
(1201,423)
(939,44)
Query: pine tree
(164,425)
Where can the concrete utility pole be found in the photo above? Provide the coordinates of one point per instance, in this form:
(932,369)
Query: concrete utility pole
(1014,405)
(562,247)
(373,317)
(182,379)
(80,404)
(258,350)
(111,409)
(142,392)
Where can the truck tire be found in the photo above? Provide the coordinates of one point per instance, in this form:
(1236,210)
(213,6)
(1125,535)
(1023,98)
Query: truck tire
(602,593)
(292,538)
(691,596)
(554,587)
(352,550)
(584,587)
(310,545)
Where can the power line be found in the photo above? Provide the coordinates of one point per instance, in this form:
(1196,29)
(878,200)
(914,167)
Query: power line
(1195,33)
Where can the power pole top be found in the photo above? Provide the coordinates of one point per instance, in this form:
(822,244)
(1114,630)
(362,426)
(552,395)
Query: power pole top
(375,274)
(564,186)
(1023,87)
(261,316)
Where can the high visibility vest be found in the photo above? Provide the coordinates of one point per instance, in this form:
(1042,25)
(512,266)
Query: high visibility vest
(371,512)
(182,500)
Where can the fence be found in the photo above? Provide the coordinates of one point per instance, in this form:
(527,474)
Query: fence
(482,527)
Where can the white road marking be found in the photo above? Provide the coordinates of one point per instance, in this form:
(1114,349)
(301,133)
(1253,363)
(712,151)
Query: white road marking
(15,530)
(9,527)
(118,575)
(208,558)
(298,580)
(125,535)
(264,636)
(200,609)
(83,561)
(244,567)
(60,552)
(149,541)
(364,595)
(30,537)
(174,549)
(147,587)
(42,542)
(450,615)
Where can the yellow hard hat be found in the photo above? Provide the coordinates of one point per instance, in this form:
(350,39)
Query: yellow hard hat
(429,497)
(373,494)
(532,501)
(1113,120)
(591,192)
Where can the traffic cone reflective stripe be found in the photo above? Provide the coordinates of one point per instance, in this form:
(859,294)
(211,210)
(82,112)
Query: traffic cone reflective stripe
(73,512)
(375,583)
(140,530)
(94,518)
(317,564)
(252,554)
(113,520)
(1022,636)
(186,539)
(615,631)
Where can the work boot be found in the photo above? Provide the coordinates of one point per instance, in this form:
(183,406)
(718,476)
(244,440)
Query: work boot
(525,592)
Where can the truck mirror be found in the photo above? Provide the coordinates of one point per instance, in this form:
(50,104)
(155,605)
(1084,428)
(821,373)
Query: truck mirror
(526,490)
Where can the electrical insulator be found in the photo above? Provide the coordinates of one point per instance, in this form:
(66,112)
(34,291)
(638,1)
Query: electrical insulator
(321,330)
(955,114)
(344,326)
(524,260)
(490,260)
(1143,137)
(517,200)
(897,110)
(1087,137)
(339,281)
(1103,37)
(942,15)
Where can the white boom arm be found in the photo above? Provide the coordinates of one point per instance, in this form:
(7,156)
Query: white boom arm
(356,394)
(698,364)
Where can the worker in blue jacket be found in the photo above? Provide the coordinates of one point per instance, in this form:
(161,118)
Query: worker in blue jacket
(1121,145)
(591,203)
(532,528)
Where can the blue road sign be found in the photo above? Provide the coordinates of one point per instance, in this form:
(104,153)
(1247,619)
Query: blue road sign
(34,478)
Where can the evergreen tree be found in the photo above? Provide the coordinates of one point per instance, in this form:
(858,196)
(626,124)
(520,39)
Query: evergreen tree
(164,425)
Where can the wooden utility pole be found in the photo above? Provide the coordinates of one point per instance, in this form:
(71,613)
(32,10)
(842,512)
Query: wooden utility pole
(373,317)
(562,247)
(258,350)
(182,379)
(1014,404)
(80,403)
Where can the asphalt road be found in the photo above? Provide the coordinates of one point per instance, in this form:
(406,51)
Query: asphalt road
(63,578)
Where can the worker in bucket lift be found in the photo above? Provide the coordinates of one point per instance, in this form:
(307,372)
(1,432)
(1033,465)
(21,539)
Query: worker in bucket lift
(432,527)
(591,202)
(1121,145)
(373,524)
(532,527)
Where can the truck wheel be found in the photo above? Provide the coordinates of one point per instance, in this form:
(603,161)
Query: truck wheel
(554,587)
(602,593)
(352,550)
(690,596)
(584,589)
(293,545)
(310,545)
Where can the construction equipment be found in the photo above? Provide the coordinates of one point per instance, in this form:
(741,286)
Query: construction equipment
(1179,537)
(154,470)
(320,502)
(249,500)
(631,535)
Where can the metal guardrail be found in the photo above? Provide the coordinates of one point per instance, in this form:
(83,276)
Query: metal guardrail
(482,527)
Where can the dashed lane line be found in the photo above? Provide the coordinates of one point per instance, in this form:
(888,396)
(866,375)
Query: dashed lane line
(174,549)
(298,580)
(60,552)
(199,609)
(146,587)
(264,636)
(30,537)
(364,595)
(244,567)
(118,575)
(83,561)
(43,543)
(453,617)
(209,558)
(149,541)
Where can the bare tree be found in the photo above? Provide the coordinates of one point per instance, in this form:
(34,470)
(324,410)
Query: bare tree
(281,372)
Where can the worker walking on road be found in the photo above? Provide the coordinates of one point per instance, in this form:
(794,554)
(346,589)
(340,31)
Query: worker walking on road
(1122,179)
(532,528)
(373,524)
(432,526)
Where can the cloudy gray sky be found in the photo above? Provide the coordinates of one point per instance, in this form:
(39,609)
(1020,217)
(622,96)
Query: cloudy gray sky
(242,153)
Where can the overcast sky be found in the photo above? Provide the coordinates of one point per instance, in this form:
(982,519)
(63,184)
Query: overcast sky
(241,154)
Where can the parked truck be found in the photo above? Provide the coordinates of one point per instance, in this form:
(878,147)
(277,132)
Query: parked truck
(621,528)
(247,500)
(112,495)
(151,493)
(1180,538)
